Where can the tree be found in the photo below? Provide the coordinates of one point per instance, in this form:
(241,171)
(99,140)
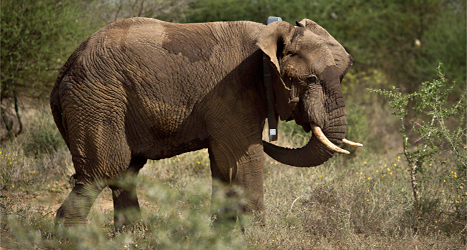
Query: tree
(167,10)
(37,38)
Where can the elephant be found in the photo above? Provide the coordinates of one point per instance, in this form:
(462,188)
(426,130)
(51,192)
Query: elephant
(142,88)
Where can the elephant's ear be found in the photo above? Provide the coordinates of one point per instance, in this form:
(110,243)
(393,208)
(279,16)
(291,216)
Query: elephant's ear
(342,59)
(274,38)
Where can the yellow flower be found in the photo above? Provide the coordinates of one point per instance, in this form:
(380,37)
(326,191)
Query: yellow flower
(364,162)
(395,164)
(390,173)
(398,157)
(369,178)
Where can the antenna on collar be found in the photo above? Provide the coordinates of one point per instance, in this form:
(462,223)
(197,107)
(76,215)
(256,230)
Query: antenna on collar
(272,117)
(272,19)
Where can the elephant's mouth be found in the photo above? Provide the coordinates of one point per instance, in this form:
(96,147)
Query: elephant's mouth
(306,127)
(318,132)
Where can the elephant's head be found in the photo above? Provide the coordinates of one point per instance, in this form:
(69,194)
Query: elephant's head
(310,65)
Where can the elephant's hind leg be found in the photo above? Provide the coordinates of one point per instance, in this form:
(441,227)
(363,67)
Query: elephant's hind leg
(78,203)
(126,205)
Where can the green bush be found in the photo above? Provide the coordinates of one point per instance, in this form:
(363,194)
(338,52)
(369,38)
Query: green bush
(37,38)
(439,135)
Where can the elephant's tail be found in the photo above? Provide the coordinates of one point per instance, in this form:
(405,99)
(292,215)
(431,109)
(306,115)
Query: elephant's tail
(55,103)
(57,111)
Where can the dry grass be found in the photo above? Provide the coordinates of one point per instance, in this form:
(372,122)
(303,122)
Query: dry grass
(362,201)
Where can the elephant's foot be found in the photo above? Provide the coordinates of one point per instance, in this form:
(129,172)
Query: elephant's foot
(75,208)
(126,207)
(124,218)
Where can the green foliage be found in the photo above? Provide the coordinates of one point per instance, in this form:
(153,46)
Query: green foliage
(36,158)
(44,137)
(37,38)
(404,38)
(292,133)
(258,11)
(167,10)
(439,132)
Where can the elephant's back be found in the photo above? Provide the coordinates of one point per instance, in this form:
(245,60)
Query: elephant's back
(148,77)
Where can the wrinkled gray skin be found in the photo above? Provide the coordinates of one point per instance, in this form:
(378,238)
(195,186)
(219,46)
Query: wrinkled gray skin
(143,89)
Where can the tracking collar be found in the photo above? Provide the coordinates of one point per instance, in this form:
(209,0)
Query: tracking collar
(272,117)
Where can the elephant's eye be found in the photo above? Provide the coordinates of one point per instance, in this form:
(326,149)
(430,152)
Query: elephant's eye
(311,79)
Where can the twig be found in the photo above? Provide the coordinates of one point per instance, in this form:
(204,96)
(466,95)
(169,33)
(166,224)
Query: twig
(291,207)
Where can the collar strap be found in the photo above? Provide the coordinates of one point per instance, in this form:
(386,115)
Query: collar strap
(267,79)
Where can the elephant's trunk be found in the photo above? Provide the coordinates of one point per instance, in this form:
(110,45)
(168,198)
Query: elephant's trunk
(319,148)
(314,153)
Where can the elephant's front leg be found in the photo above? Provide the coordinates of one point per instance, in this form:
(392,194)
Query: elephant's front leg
(238,176)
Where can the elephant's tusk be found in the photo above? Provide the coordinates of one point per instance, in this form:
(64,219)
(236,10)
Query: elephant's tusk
(322,138)
(351,143)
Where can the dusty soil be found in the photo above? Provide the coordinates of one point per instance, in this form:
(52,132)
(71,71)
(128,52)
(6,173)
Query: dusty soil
(46,202)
